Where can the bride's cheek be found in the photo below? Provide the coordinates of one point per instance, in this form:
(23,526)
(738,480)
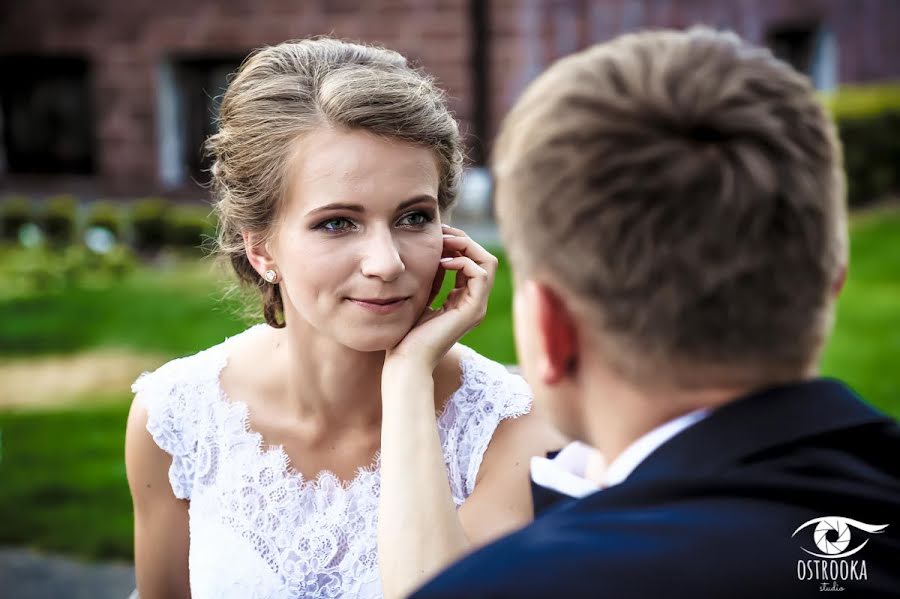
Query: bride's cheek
(422,257)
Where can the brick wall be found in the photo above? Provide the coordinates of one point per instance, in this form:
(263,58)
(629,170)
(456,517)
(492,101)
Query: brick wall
(527,35)
(126,41)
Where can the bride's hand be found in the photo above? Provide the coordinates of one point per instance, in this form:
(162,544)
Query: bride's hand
(438,329)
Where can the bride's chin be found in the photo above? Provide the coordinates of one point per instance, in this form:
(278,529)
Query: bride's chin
(371,343)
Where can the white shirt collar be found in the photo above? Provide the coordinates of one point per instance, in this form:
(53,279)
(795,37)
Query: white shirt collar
(639,450)
(565,473)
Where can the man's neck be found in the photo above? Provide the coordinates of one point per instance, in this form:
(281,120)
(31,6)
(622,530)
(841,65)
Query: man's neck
(627,413)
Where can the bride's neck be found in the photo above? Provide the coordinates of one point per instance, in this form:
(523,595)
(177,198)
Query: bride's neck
(325,383)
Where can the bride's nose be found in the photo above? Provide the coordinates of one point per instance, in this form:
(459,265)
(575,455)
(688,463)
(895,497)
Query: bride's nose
(381,258)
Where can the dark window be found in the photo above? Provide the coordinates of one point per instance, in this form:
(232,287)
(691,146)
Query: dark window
(480,74)
(47,115)
(794,44)
(201,83)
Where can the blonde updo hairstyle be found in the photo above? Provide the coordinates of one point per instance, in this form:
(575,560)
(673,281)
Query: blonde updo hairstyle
(281,93)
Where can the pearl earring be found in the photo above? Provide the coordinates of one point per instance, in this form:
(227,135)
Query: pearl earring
(271,276)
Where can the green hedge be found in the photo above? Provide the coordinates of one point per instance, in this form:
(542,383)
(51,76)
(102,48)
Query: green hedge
(108,215)
(868,119)
(190,226)
(59,220)
(158,223)
(861,101)
(15,211)
(148,225)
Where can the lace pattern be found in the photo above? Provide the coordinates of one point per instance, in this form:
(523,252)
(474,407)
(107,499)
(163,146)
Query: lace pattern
(176,397)
(488,393)
(294,537)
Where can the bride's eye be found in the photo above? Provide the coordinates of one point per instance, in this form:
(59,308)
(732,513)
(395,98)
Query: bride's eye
(335,225)
(416,219)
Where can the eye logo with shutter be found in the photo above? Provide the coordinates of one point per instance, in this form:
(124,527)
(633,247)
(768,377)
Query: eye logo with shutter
(832,535)
(835,538)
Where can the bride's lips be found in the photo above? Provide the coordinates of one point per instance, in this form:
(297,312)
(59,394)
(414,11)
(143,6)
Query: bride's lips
(380,306)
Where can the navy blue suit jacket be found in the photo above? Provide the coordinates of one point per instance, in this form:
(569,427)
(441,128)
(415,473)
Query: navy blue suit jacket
(713,511)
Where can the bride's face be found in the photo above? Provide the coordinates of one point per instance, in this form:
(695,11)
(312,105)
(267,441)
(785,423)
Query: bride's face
(360,227)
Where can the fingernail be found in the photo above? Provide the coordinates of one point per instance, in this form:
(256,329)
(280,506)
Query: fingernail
(446,259)
(446,226)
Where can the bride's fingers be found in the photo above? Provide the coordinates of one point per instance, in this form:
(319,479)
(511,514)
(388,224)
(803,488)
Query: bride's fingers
(452,230)
(476,277)
(455,294)
(470,248)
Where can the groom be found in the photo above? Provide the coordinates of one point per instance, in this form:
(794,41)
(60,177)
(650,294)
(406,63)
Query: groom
(673,207)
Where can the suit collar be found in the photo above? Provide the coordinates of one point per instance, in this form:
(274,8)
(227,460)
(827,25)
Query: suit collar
(761,420)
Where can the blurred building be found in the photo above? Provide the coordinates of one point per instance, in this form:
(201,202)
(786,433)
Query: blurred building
(114,97)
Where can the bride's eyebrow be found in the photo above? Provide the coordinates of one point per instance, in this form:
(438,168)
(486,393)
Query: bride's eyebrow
(359,208)
(336,206)
(422,198)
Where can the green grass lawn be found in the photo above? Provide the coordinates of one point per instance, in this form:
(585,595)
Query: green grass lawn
(177,310)
(865,345)
(62,476)
(62,481)
(174,310)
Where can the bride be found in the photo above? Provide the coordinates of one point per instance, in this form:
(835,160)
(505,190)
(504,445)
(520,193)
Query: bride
(348,446)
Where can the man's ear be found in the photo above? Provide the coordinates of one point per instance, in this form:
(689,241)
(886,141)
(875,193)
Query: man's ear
(258,252)
(557,333)
(839,281)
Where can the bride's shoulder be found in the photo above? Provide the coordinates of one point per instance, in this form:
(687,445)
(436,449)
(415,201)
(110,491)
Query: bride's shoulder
(492,406)
(478,369)
(473,375)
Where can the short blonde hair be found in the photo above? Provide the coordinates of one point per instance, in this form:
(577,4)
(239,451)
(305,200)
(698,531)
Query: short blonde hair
(686,188)
(283,92)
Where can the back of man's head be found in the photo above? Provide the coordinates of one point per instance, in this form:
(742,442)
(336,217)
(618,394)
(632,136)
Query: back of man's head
(684,188)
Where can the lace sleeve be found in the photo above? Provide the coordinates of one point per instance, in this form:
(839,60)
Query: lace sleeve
(169,424)
(489,393)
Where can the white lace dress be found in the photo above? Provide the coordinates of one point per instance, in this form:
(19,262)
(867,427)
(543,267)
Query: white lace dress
(258,528)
